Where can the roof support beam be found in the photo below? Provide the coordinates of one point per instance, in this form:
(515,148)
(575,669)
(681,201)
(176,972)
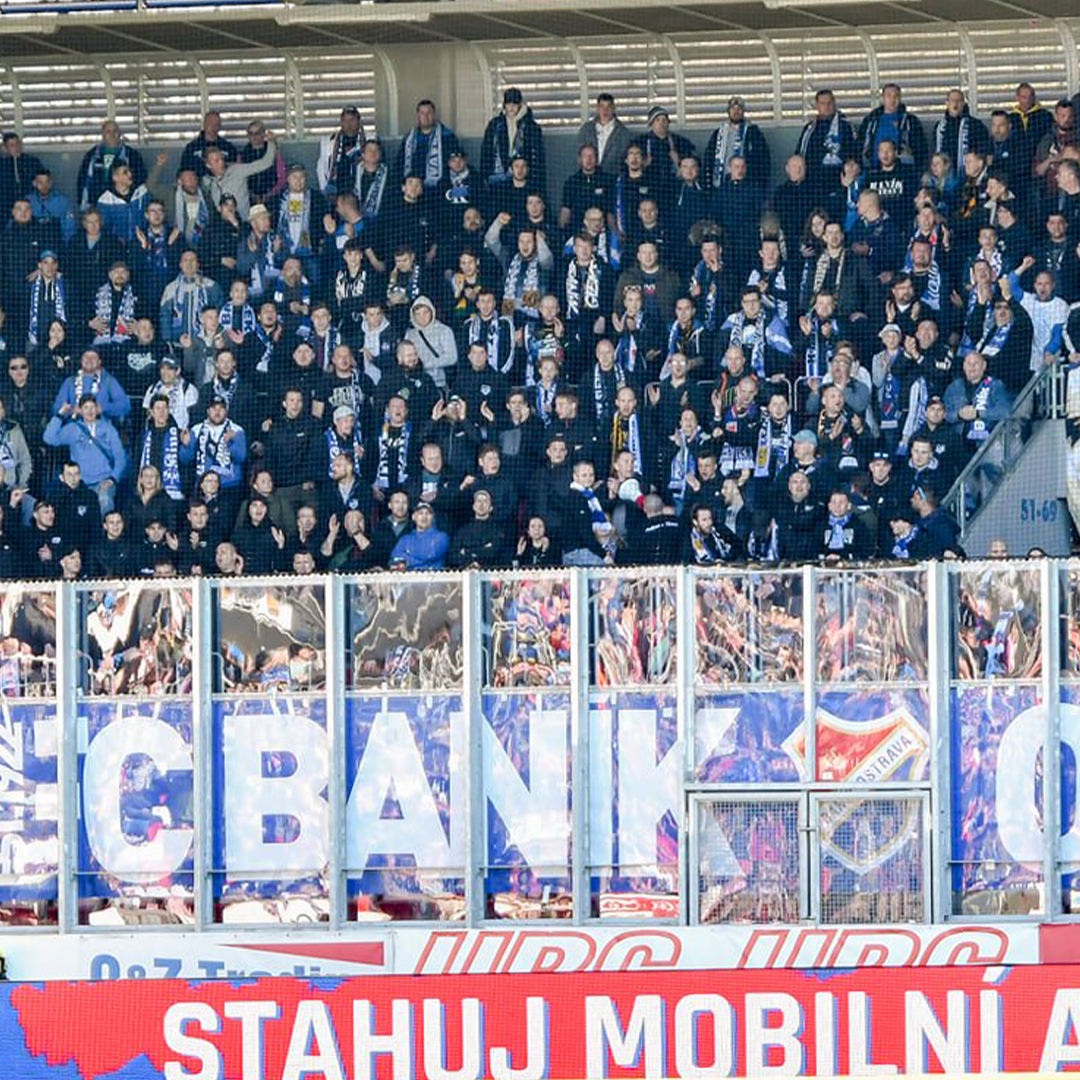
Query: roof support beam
(1068,44)
(583,80)
(680,78)
(967,47)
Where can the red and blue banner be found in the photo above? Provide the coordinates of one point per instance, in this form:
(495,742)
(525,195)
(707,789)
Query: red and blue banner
(633,1024)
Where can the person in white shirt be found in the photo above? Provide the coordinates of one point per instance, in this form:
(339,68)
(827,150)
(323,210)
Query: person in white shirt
(608,134)
(182,395)
(1048,311)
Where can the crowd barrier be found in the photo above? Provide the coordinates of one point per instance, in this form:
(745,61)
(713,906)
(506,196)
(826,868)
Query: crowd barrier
(624,745)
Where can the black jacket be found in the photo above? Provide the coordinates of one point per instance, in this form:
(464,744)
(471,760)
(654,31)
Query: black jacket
(480,542)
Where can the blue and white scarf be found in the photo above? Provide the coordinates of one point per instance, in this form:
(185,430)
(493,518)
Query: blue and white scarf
(264,272)
(335,447)
(775,299)
(760,333)
(977,430)
(433,164)
(263,364)
(382,477)
(916,414)
(901,548)
(120,329)
(889,391)
(709,282)
(189,298)
(192,230)
(372,201)
(729,143)
(605,404)
(832,143)
(37,289)
(962,142)
(580,299)
(522,276)
(82,383)
(773,446)
(545,401)
(627,347)
(838,527)
(170,459)
(819,347)
(489,334)
(324,346)
(245,320)
(602,527)
(212,448)
(683,464)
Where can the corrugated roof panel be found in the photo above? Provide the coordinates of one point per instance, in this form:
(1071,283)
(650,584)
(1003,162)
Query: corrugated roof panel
(639,72)
(545,74)
(1007,55)
(715,66)
(331,81)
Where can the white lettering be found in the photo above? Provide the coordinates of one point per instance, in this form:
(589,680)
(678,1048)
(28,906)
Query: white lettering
(367,1045)
(991,1048)
(604,1032)
(536,1047)
(860,1038)
(313,1045)
(472,1038)
(687,1054)
(251,1014)
(250,797)
(760,1036)
(102,769)
(536,817)
(825,1034)
(392,760)
(922,1032)
(1059,1049)
(177,1017)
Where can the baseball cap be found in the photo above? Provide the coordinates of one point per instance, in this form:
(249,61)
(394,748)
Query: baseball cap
(342,411)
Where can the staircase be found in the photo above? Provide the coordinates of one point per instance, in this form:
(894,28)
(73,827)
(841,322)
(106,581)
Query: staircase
(1027,507)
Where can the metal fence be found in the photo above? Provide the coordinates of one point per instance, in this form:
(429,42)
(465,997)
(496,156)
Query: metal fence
(576,745)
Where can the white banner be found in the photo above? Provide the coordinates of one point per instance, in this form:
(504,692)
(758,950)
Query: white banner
(507,950)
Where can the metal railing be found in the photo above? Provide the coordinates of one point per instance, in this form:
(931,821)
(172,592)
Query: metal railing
(1043,398)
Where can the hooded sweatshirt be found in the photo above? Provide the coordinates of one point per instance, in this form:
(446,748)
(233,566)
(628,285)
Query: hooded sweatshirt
(435,343)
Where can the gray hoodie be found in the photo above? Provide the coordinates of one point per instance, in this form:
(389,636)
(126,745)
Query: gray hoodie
(435,343)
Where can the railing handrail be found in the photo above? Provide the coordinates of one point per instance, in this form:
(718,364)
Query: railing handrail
(955,500)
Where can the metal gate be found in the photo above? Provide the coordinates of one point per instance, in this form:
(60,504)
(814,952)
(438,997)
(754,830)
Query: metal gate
(828,857)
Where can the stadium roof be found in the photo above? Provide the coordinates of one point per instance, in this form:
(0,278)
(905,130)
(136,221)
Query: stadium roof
(30,29)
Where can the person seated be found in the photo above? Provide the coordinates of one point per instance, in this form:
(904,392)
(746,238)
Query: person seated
(707,543)
(845,537)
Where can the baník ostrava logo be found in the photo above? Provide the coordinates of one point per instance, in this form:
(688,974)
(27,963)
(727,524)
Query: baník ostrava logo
(863,834)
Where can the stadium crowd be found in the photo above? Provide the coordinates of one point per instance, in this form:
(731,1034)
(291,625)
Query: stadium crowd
(417,360)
